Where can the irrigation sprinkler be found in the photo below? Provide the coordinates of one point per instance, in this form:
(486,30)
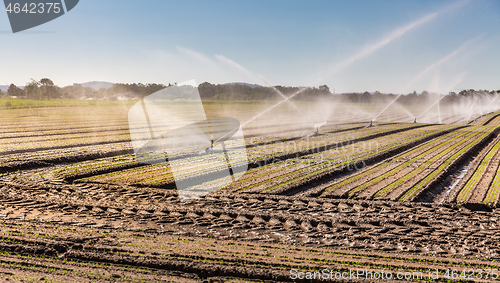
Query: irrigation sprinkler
(316,131)
(221,129)
(371,125)
(415,121)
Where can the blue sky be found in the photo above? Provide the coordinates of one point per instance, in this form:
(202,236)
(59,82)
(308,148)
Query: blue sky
(390,46)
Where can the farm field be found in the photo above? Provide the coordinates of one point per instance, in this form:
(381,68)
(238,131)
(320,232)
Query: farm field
(323,189)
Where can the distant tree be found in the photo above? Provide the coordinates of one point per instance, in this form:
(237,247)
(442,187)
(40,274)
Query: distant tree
(32,89)
(377,96)
(424,96)
(324,88)
(207,90)
(365,97)
(48,90)
(15,91)
(75,91)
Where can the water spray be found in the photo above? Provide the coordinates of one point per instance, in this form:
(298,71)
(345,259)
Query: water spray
(371,122)
(274,106)
(282,95)
(316,131)
(431,107)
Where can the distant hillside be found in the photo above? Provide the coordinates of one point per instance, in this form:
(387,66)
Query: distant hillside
(98,85)
(247,84)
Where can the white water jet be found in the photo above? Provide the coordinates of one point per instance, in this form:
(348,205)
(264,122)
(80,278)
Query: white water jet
(431,106)
(384,109)
(407,112)
(282,95)
(274,106)
(439,113)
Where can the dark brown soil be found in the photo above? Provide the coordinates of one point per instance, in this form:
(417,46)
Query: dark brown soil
(220,238)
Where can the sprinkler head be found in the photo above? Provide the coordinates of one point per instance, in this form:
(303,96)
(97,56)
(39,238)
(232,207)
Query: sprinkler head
(414,121)
(371,123)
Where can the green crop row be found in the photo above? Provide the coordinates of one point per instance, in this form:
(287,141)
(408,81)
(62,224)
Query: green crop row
(441,167)
(477,174)
(126,173)
(391,144)
(99,164)
(408,162)
(324,140)
(384,191)
(493,190)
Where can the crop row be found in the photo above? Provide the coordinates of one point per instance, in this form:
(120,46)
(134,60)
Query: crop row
(90,136)
(387,169)
(60,144)
(330,160)
(397,176)
(491,198)
(441,169)
(66,153)
(103,164)
(429,158)
(471,185)
(320,142)
(185,165)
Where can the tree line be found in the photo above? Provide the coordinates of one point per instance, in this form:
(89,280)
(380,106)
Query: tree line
(245,92)
(45,89)
(414,97)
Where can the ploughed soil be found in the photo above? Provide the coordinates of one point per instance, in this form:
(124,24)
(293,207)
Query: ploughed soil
(105,233)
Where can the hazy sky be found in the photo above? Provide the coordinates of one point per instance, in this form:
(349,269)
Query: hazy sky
(390,46)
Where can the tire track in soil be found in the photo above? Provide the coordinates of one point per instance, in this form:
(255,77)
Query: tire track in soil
(365,225)
(203,257)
